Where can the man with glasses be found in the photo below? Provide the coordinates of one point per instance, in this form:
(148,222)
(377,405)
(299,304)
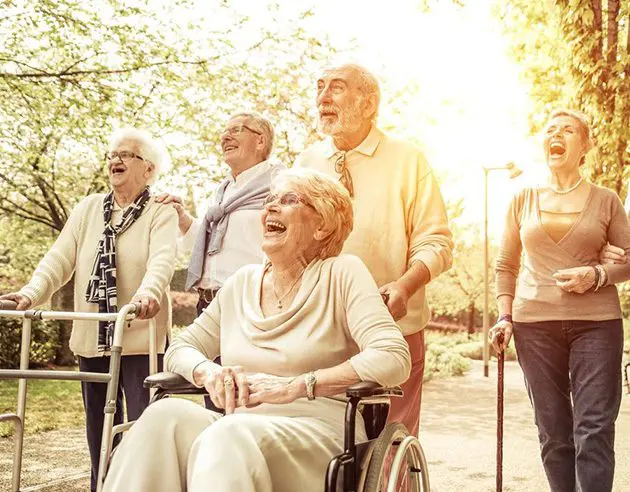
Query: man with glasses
(400,225)
(229,235)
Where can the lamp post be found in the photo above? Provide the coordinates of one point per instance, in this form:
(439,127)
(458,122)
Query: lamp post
(514,172)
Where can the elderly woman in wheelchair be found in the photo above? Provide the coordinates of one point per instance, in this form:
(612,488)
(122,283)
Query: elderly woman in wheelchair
(293,335)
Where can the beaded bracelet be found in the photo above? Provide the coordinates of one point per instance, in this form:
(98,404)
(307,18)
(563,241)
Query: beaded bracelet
(596,281)
(602,277)
(505,317)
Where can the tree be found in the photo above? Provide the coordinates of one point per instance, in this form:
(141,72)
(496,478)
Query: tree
(573,53)
(460,289)
(72,71)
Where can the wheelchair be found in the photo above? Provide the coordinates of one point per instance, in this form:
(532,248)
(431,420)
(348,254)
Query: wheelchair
(389,460)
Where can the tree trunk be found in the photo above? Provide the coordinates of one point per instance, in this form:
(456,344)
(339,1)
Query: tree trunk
(63,300)
(471,319)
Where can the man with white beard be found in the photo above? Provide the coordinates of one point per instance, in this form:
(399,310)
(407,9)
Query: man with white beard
(400,225)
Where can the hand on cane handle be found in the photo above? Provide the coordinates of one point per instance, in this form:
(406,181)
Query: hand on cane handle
(500,335)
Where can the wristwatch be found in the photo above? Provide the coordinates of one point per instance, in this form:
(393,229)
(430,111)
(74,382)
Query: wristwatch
(310,379)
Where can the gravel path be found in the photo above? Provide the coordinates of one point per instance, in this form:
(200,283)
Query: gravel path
(457,434)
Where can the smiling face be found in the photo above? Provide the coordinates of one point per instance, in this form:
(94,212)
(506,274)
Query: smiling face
(242,144)
(564,143)
(129,175)
(341,105)
(292,228)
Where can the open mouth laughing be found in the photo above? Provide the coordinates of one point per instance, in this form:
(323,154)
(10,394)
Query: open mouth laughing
(557,149)
(117,169)
(274,227)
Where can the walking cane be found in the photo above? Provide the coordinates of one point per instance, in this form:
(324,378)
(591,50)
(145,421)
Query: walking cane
(500,376)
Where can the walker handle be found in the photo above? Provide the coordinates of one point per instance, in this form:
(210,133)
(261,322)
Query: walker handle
(6,305)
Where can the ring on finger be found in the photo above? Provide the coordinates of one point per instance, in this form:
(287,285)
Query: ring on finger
(228,382)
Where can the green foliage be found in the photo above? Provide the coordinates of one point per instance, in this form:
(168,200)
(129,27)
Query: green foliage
(71,71)
(441,362)
(573,53)
(43,342)
(458,293)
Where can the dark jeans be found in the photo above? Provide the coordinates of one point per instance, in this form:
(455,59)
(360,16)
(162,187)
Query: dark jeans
(133,370)
(573,376)
(201,305)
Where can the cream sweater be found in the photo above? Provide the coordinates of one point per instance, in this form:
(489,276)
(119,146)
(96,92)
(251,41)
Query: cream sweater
(536,296)
(145,255)
(337,315)
(399,214)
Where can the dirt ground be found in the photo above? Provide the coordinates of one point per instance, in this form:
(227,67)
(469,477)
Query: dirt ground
(49,457)
(457,433)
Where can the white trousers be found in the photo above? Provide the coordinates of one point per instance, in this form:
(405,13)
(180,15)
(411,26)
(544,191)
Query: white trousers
(177,445)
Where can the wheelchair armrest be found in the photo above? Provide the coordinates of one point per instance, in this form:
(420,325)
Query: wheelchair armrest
(172,383)
(369,389)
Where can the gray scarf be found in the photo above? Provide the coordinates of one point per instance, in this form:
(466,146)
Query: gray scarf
(215,223)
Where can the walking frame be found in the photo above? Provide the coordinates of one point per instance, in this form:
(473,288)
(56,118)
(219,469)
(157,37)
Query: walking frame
(23,374)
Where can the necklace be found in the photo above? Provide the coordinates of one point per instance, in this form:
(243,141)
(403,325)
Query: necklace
(568,190)
(280,298)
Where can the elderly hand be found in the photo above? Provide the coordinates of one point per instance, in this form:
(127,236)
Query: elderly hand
(500,335)
(613,254)
(266,388)
(148,306)
(185,219)
(23,302)
(577,280)
(224,385)
(396,299)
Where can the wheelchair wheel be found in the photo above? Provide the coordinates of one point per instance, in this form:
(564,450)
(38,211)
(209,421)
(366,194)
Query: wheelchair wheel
(397,463)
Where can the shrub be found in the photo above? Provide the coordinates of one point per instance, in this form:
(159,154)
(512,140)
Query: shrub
(44,340)
(184,307)
(442,361)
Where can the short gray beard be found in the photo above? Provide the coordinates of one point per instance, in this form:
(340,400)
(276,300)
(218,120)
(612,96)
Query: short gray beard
(348,121)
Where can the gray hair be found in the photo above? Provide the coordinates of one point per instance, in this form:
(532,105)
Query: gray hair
(151,150)
(367,83)
(263,125)
(329,198)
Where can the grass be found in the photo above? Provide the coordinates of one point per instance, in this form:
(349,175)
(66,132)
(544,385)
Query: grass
(49,405)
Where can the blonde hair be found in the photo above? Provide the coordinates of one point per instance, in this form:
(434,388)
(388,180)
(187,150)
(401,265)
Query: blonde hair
(329,198)
(582,120)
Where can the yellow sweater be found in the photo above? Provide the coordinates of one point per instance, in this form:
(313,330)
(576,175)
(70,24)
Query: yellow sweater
(145,255)
(399,214)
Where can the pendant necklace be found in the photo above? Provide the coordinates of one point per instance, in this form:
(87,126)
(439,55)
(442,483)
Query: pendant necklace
(280,298)
(568,190)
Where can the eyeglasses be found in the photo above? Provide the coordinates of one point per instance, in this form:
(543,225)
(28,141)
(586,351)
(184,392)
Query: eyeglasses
(124,156)
(342,169)
(238,129)
(288,199)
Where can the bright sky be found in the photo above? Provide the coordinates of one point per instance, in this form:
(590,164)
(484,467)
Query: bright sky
(463,100)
